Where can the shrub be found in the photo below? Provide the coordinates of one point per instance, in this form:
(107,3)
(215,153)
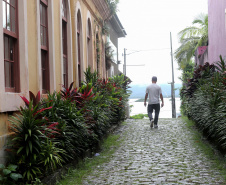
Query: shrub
(206,104)
(73,132)
(31,132)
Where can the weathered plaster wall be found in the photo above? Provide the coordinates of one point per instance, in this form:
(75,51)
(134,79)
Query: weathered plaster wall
(217,30)
(3,135)
(57,39)
(32,46)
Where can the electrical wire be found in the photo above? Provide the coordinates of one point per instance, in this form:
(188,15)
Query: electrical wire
(146,50)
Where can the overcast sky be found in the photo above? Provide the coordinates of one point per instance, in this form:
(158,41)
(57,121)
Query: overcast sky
(148,24)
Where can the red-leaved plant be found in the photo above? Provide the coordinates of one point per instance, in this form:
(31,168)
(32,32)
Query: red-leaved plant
(36,101)
(50,128)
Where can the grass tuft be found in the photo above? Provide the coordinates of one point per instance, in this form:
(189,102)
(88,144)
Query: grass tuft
(139,116)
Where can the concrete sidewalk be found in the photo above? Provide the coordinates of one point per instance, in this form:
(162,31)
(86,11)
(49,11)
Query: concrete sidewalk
(156,156)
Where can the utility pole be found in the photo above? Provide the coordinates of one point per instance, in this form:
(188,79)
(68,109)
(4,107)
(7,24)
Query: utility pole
(124,66)
(172,83)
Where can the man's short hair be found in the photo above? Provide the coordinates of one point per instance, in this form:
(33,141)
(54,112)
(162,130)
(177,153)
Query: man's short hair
(154,78)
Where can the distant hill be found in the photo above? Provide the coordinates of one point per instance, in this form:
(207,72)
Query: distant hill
(138,91)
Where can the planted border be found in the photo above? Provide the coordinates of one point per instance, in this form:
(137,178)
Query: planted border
(52,132)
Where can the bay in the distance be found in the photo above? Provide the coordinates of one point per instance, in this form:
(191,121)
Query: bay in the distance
(165,112)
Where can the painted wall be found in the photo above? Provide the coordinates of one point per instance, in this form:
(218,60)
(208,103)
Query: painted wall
(217,30)
(57,39)
(32,46)
(3,135)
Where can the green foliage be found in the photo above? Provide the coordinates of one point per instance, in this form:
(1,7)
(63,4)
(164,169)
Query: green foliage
(112,5)
(199,76)
(37,182)
(50,156)
(204,102)
(187,71)
(139,116)
(190,38)
(90,77)
(9,175)
(51,132)
(71,128)
(27,141)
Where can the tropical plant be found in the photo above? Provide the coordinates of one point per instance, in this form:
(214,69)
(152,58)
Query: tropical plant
(90,77)
(190,38)
(27,140)
(51,132)
(31,133)
(205,102)
(220,65)
(73,132)
(51,156)
(201,73)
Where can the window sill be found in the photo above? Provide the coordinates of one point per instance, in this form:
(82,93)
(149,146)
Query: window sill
(11,101)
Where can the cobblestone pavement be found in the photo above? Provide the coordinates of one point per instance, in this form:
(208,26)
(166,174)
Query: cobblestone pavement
(156,156)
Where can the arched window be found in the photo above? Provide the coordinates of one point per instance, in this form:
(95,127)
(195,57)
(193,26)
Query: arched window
(11,59)
(89,45)
(44,45)
(79,37)
(64,43)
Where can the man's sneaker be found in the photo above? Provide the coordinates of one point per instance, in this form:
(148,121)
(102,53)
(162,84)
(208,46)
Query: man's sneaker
(156,126)
(152,122)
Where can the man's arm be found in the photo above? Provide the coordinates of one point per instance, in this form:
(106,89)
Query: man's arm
(161,97)
(145,99)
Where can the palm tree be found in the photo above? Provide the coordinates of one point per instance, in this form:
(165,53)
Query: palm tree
(190,38)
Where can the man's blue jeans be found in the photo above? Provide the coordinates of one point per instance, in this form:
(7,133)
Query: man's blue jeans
(155,107)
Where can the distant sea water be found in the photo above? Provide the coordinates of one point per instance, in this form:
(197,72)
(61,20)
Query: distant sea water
(165,112)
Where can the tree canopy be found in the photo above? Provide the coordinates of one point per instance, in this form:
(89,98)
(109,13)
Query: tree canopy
(190,38)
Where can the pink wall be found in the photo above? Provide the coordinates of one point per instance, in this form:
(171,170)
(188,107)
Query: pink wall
(217,30)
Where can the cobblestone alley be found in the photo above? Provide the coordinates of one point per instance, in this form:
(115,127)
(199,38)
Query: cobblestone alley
(156,156)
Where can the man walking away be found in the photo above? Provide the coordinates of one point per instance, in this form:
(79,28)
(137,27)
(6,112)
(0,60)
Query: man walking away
(154,91)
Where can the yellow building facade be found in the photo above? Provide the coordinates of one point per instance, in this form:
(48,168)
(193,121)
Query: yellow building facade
(45,44)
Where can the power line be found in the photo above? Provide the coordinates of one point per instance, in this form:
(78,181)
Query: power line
(146,50)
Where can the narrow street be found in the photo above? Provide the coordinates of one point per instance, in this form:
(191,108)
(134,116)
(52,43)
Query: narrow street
(166,155)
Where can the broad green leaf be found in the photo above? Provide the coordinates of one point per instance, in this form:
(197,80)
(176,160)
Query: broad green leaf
(12,167)
(2,166)
(6,171)
(15,176)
